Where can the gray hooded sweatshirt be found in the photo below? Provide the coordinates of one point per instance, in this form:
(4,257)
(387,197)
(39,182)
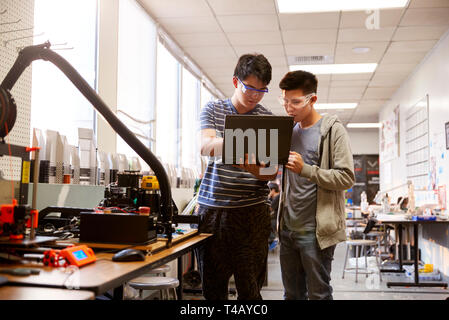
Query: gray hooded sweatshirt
(334,175)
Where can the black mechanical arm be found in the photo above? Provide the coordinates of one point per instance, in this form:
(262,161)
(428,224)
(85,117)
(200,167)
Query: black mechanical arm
(8,112)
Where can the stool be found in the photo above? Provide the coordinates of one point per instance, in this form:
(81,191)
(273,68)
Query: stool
(163,284)
(377,236)
(162,270)
(363,244)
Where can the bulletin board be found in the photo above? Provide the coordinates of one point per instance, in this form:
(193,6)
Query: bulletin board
(16,32)
(417,145)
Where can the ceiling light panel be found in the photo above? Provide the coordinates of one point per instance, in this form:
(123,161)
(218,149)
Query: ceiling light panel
(291,6)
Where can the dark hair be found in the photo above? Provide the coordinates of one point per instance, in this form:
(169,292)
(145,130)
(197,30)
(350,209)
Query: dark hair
(274,186)
(253,64)
(303,80)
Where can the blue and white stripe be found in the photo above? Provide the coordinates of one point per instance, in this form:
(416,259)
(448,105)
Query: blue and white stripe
(225,186)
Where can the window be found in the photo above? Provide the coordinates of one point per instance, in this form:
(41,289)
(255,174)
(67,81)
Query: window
(206,96)
(55,102)
(167,106)
(190,112)
(136,74)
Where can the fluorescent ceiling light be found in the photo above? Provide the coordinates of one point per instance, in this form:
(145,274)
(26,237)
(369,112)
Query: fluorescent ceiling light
(336,68)
(295,6)
(364,125)
(328,106)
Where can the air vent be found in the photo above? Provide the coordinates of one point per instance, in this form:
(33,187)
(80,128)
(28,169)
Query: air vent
(310,60)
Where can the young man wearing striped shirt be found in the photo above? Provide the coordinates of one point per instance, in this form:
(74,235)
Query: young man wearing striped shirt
(233,199)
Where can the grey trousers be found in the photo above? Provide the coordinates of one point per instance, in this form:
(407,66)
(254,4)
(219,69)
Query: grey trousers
(305,268)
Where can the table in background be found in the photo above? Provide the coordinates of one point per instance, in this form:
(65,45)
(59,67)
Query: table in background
(400,222)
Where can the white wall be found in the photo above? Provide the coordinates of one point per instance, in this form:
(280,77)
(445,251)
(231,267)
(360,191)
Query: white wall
(430,77)
(364,141)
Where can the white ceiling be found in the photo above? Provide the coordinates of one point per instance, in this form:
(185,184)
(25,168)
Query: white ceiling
(214,33)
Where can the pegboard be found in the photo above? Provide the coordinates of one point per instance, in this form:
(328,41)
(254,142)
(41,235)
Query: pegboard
(22,10)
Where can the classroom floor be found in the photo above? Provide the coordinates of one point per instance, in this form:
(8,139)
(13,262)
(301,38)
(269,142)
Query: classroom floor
(347,288)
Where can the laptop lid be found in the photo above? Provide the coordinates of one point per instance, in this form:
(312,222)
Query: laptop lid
(266,137)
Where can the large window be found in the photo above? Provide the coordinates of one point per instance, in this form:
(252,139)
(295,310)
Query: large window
(56,104)
(167,106)
(136,74)
(190,153)
(206,96)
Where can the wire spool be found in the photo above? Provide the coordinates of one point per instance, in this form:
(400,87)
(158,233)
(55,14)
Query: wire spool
(8,112)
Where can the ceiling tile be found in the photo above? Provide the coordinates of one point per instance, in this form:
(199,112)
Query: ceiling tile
(212,62)
(396,67)
(349,94)
(428,3)
(386,80)
(254,38)
(344,53)
(326,49)
(266,50)
(239,7)
(249,23)
(278,71)
(219,52)
(175,9)
(420,33)
(325,20)
(412,46)
(379,93)
(358,19)
(364,35)
(426,17)
(186,25)
(201,39)
(278,62)
(218,72)
(400,57)
(349,83)
(353,76)
(309,36)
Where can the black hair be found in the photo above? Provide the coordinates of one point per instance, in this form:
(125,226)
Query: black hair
(274,186)
(303,80)
(253,64)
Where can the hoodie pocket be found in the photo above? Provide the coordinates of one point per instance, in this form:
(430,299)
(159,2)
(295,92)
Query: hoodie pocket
(328,218)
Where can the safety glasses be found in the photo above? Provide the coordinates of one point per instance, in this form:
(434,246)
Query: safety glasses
(296,102)
(251,91)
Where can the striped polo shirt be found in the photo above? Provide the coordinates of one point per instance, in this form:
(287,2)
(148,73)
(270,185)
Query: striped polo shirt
(225,186)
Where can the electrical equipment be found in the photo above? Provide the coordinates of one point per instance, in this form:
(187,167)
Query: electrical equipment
(79,255)
(15,218)
(129,194)
(150,183)
(76,256)
(124,228)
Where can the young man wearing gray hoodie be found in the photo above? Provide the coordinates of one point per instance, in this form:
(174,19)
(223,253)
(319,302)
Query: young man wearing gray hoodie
(312,216)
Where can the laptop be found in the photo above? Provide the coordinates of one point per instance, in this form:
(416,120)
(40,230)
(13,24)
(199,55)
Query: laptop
(267,138)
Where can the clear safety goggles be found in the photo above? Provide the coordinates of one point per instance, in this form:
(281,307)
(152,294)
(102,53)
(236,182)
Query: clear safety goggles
(296,102)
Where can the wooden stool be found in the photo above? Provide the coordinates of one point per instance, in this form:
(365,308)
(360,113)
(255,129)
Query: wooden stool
(163,284)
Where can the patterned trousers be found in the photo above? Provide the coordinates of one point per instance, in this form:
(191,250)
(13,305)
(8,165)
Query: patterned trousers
(239,247)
